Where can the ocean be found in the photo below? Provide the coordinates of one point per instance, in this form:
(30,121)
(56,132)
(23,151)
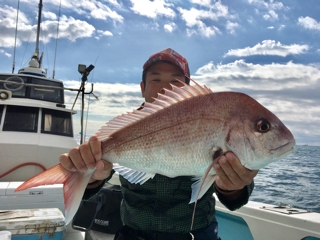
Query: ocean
(293,181)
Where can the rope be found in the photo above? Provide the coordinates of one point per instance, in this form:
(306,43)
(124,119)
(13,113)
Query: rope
(22,165)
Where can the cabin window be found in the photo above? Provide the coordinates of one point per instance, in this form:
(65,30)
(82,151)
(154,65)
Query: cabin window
(46,90)
(46,93)
(18,90)
(21,119)
(56,122)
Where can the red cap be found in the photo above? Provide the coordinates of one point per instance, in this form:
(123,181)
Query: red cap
(171,56)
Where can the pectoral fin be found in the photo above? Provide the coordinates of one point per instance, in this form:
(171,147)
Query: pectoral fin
(131,175)
(201,186)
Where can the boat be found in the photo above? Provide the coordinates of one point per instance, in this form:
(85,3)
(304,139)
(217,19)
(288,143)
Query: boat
(36,127)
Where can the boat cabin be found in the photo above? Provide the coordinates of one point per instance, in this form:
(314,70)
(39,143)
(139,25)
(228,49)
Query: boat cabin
(52,119)
(35,125)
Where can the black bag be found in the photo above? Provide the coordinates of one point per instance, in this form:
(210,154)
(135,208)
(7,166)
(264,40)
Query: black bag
(101,212)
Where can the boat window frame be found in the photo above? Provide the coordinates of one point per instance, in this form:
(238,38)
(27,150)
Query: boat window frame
(33,89)
(7,125)
(29,92)
(67,116)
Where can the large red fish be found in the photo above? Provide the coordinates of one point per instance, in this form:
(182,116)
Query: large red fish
(180,134)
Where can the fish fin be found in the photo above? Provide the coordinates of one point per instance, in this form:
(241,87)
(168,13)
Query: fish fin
(55,175)
(200,187)
(74,184)
(131,175)
(176,94)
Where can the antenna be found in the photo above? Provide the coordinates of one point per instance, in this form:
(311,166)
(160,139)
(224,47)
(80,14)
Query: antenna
(55,51)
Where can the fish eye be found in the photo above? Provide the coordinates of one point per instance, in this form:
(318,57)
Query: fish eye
(263,126)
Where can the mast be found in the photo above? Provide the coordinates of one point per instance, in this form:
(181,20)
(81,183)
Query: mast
(36,53)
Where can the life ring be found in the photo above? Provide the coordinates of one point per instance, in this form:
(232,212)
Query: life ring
(13,87)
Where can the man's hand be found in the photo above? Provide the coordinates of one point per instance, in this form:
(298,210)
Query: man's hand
(87,156)
(231,175)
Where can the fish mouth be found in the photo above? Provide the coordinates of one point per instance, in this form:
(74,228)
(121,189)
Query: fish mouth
(284,149)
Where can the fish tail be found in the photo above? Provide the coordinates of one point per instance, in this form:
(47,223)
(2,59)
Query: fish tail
(55,175)
(74,184)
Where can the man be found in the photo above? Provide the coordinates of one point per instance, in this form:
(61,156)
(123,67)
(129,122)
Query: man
(159,209)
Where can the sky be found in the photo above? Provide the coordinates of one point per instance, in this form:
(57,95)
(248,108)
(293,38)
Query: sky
(267,49)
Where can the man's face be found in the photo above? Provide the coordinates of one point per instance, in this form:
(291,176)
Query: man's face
(158,77)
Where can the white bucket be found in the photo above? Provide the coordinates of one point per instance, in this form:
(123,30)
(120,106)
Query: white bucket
(5,235)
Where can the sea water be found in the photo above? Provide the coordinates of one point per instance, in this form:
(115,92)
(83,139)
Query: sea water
(293,181)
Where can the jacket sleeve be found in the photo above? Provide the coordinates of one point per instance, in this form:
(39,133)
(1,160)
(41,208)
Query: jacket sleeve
(234,202)
(89,193)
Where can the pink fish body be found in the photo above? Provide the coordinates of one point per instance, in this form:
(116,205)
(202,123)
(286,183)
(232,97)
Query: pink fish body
(182,132)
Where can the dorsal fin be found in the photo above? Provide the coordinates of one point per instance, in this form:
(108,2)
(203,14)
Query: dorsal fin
(170,97)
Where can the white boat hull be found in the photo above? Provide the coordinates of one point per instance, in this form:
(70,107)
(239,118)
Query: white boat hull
(19,148)
(261,221)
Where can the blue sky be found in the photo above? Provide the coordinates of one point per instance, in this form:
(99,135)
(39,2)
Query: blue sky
(266,48)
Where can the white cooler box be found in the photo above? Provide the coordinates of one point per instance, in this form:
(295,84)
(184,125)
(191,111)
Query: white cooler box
(50,196)
(33,224)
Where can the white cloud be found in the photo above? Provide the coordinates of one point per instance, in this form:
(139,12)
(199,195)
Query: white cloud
(271,5)
(104,33)
(194,18)
(69,28)
(49,15)
(96,9)
(103,12)
(191,32)
(203,21)
(170,27)
(206,3)
(217,8)
(271,27)
(8,25)
(269,47)
(271,15)
(231,26)
(152,9)
(5,53)
(309,23)
(114,2)
(268,9)
(269,76)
